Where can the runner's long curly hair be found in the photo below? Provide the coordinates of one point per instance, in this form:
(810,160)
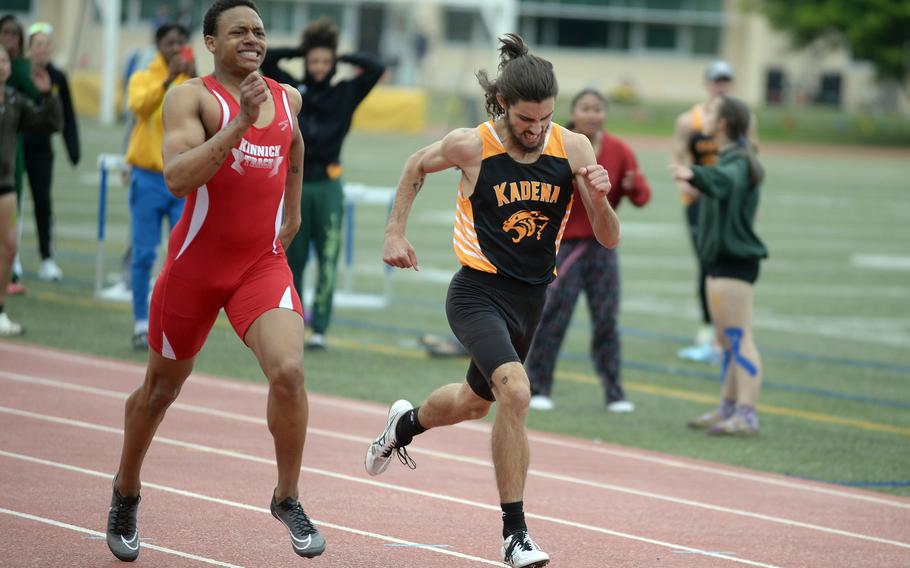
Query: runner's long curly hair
(522,77)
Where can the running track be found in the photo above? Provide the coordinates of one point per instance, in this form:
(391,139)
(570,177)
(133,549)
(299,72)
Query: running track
(210,472)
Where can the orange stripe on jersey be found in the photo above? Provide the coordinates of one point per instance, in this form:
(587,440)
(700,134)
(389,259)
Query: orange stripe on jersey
(467,249)
(555,145)
(492,146)
(562,226)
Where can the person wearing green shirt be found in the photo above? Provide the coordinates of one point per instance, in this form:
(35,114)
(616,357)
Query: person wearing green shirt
(728,246)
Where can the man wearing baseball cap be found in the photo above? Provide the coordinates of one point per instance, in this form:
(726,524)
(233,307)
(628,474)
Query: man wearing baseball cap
(692,147)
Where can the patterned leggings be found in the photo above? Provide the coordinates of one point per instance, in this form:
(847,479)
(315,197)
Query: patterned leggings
(581,264)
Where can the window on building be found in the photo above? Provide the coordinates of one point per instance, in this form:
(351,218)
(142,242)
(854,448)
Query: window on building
(17,6)
(463,26)
(705,40)
(331,10)
(582,33)
(660,36)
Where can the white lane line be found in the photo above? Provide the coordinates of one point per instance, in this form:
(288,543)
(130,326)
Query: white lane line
(363,481)
(97,534)
(236,505)
(449,456)
(454,457)
(368,408)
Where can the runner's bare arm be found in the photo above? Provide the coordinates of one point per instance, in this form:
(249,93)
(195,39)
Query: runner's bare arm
(457,149)
(189,159)
(293,184)
(593,186)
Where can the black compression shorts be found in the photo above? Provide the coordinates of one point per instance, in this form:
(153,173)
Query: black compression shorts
(495,318)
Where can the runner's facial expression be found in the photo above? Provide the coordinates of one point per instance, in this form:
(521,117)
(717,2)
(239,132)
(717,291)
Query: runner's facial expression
(171,44)
(588,115)
(319,61)
(5,68)
(39,49)
(239,40)
(527,122)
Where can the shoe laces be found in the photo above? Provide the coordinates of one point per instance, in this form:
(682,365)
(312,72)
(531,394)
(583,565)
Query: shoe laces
(404,457)
(520,540)
(402,453)
(300,520)
(123,520)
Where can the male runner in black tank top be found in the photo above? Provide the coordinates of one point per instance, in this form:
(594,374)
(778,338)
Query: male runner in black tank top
(513,200)
(692,147)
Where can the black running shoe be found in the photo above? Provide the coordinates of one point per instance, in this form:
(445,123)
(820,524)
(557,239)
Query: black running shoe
(305,539)
(122,534)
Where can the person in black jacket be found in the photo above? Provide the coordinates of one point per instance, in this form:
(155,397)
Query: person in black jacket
(324,119)
(39,155)
(18,113)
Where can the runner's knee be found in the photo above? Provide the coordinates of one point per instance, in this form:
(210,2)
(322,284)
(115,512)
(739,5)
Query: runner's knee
(160,393)
(286,378)
(512,388)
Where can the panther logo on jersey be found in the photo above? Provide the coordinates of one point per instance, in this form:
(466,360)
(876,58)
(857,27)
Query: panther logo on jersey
(525,223)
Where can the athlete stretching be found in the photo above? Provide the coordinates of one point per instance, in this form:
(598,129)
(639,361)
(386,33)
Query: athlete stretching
(514,199)
(232,147)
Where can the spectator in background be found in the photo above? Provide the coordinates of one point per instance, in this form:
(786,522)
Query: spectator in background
(150,200)
(731,252)
(13,39)
(692,146)
(582,264)
(324,119)
(39,155)
(17,113)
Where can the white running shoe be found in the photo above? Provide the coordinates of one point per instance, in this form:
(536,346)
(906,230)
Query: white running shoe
(316,341)
(379,454)
(541,402)
(519,551)
(8,326)
(705,353)
(621,406)
(49,271)
(118,292)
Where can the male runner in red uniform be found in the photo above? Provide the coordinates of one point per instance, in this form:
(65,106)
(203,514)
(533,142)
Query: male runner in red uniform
(232,147)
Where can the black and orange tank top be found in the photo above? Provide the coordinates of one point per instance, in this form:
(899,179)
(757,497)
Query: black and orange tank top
(703,149)
(513,222)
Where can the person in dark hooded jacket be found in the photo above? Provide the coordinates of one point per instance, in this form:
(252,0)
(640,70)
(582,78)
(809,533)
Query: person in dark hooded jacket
(325,118)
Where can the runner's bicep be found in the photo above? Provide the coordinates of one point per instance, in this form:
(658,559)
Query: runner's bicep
(183,129)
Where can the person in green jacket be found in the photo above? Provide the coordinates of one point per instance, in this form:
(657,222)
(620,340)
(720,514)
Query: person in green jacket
(728,246)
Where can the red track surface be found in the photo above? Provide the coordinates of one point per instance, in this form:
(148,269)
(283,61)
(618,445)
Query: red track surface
(210,472)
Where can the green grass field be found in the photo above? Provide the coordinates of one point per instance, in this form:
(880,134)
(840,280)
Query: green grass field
(832,312)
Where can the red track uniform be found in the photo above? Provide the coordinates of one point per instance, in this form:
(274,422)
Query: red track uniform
(225,252)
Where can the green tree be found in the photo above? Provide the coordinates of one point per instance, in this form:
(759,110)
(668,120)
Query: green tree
(874,30)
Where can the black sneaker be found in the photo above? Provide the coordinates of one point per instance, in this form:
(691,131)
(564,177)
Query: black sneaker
(305,539)
(122,534)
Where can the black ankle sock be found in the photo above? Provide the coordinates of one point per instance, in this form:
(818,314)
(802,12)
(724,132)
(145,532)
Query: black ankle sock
(1,307)
(513,518)
(408,427)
